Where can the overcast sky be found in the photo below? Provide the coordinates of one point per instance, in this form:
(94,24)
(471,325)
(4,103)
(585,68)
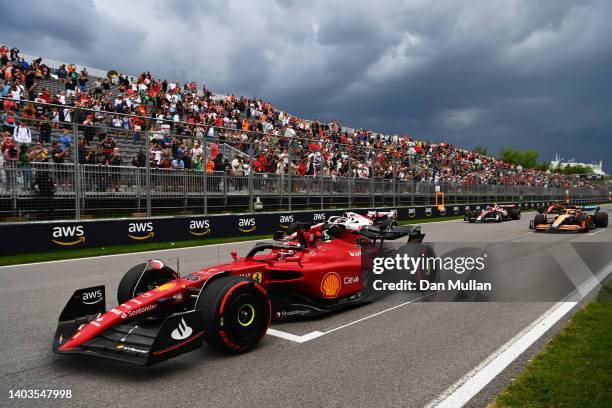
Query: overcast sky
(528,74)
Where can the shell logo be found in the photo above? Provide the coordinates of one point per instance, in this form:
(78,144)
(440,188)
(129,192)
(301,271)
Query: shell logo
(330,285)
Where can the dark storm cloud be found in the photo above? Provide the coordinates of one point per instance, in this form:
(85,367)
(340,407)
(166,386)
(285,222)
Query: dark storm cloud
(521,73)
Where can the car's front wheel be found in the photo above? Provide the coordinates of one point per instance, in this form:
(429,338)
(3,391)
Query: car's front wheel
(142,278)
(236,312)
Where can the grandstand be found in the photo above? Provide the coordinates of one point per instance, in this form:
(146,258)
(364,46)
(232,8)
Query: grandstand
(119,145)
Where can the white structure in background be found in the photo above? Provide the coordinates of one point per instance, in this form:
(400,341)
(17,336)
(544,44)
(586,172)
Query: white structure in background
(597,168)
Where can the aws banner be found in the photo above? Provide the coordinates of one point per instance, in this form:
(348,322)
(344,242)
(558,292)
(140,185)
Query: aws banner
(18,238)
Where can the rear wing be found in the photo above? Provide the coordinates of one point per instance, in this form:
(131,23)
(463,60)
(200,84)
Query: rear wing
(376,233)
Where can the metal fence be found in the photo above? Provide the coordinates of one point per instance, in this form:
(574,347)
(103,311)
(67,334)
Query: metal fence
(79,187)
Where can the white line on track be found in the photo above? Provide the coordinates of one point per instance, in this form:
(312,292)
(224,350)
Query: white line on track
(472,383)
(294,337)
(315,334)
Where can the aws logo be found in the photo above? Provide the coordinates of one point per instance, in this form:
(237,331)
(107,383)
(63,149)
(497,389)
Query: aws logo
(140,230)
(318,217)
(285,220)
(477,207)
(68,235)
(442,211)
(91,298)
(428,212)
(456,210)
(411,212)
(199,227)
(467,208)
(246,224)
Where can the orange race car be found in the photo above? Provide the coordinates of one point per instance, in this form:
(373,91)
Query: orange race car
(571,219)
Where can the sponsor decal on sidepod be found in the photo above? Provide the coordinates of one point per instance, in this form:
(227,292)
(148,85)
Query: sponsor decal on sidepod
(330,285)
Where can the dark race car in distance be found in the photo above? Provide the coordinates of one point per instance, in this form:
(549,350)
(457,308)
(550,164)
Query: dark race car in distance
(571,219)
(316,269)
(494,213)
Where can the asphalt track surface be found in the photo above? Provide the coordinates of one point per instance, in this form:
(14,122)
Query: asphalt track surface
(366,356)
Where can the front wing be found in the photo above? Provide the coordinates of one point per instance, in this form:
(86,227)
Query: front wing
(140,341)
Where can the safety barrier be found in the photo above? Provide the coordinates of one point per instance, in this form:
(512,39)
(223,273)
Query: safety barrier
(16,238)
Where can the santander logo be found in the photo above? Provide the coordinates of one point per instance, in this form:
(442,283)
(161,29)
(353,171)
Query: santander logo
(182,331)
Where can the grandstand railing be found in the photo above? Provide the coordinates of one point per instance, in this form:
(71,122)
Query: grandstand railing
(55,64)
(85,190)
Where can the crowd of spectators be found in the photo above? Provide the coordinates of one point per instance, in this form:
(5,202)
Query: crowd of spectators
(180,119)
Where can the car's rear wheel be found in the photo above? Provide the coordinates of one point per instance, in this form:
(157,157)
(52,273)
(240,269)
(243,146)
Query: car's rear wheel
(601,219)
(515,213)
(142,278)
(539,220)
(583,221)
(236,312)
(429,271)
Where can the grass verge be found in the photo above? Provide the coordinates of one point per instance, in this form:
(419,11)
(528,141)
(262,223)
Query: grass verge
(156,246)
(575,368)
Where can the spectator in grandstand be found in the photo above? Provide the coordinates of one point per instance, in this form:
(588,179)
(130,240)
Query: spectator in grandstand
(140,160)
(107,146)
(198,163)
(11,162)
(39,153)
(115,160)
(4,51)
(25,157)
(70,87)
(178,164)
(22,134)
(44,131)
(58,154)
(65,140)
(62,74)
(83,79)
(45,190)
(14,54)
(187,159)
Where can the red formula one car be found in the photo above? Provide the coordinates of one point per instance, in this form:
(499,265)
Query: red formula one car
(315,269)
(494,213)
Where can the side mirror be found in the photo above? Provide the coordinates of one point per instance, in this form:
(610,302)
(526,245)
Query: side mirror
(279,235)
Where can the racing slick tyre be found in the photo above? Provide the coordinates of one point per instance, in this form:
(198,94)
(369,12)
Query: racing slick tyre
(428,273)
(515,214)
(539,220)
(236,312)
(601,219)
(583,219)
(141,278)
